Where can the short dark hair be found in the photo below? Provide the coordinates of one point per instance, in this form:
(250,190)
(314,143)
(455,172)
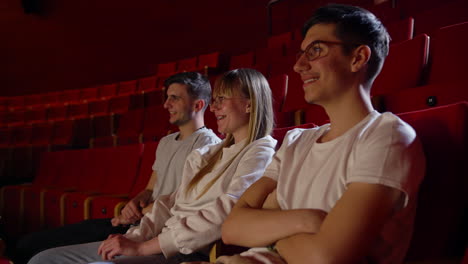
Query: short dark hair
(355,25)
(198,86)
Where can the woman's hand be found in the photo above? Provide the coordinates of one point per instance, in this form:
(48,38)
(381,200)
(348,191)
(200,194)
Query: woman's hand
(116,245)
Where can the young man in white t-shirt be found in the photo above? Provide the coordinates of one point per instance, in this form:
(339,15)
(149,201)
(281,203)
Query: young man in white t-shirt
(344,192)
(188,95)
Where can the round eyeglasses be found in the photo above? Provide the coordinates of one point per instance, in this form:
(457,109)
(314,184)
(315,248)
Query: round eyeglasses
(319,48)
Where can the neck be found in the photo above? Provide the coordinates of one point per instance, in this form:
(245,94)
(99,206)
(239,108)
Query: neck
(241,134)
(346,112)
(188,129)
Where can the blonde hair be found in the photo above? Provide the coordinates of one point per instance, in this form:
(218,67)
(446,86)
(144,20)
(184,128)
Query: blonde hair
(252,85)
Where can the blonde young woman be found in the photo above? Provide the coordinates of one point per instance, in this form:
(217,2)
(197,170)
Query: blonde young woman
(181,226)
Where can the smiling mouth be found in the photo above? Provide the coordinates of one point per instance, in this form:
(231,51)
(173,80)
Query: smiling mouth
(311,80)
(220,117)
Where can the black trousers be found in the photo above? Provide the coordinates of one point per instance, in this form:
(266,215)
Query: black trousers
(83,232)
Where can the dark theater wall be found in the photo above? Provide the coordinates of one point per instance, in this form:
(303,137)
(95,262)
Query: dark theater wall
(77,44)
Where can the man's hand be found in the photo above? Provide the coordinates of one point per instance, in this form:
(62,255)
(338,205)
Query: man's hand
(116,245)
(132,211)
(120,220)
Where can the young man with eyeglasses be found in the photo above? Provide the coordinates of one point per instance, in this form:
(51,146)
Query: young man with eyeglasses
(344,192)
(188,95)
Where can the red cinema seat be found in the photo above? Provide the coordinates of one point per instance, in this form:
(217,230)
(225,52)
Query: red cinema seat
(49,169)
(413,54)
(73,169)
(99,107)
(147,84)
(78,110)
(440,228)
(449,54)
(211,122)
(62,134)
(127,87)
(154,98)
(89,94)
(401,30)
(11,196)
(15,102)
(119,104)
(130,127)
(427,96)
(110,206)
(104,127)
(294,101)
(16,117)
(22,136)
(245,60)
(51,98)
(83,132)
(280,40)
(32,100)
(279,89)
(108,90)
(115,176)
(156,123)
(57,112)
(445,14)
(6,136)
(69,96)
(211,63)
(35,114)
(187,65)
(41,134)
(167,69)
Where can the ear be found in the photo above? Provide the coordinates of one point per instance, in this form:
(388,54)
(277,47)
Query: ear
(198,105)
(247,108)
(361,56)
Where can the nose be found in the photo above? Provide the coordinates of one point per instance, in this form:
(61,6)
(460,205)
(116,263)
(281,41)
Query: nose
(166,104)
(213,107)
(301,64)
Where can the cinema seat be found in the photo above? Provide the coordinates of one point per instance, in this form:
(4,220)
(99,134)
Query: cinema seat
(413,54)
(440,229)
(12,196)
(279,89)
(127,87)
(427,96)
(449,54)
(112,171)
(110,206)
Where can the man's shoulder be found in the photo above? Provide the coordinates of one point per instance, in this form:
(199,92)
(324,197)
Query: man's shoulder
(390,122)
(206,135)
(387,127)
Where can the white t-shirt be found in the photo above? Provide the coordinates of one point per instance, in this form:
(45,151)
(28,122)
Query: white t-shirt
(381,149)
(171,155)
(186,224)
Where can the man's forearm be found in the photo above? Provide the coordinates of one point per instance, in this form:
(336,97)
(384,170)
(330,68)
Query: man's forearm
(260,227)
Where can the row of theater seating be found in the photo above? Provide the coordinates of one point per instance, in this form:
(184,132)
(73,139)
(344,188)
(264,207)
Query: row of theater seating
(74,104)
(73,185)
(397,89)
(429,78)
(288,15)
(422,67)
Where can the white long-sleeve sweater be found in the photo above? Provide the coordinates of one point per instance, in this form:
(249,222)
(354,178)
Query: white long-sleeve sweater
(185,224)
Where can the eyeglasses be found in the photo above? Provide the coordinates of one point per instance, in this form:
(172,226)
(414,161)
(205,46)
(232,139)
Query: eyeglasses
(319,48)
(219,100)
